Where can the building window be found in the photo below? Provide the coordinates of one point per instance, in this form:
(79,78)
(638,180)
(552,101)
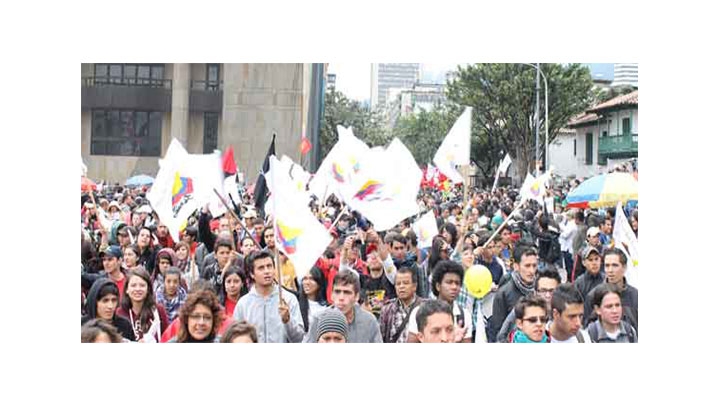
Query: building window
(212,77)
(130,74)
(126,133)
(604,134)
(574,147)
(589,148)
(210,132)
(626,126)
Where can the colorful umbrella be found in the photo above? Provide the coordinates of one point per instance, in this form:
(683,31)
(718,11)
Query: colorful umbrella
(139,180)
(605,190)
(87,184)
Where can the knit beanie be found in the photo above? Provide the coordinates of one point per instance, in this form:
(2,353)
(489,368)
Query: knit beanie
(331,320)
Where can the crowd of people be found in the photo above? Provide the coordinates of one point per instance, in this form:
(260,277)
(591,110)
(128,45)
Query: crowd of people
(557,276)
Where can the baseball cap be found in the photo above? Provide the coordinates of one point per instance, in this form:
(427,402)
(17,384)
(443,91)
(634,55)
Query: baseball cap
(589,249)
(112,251)
(593,231)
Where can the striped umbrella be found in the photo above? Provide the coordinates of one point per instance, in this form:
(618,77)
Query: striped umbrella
(605,190)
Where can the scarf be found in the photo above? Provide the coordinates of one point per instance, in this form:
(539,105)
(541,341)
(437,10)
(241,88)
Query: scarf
(521,337)
(525,289)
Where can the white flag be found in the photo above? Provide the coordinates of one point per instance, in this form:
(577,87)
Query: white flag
(173,193)
(83,168)
(385,189)
(455,148)
(340,165)
(290,178)
(505,164)
(625,240)
(207,175)
(426,229)
(298,233)
(534,188)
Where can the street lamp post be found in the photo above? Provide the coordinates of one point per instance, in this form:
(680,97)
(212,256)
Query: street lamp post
(537,124)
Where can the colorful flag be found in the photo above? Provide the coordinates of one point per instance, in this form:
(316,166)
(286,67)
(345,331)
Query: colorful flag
(341,165)
(173,193)
(455,148)
(297,232)
(534,188)
(385,189)
(426,229)
(625,240)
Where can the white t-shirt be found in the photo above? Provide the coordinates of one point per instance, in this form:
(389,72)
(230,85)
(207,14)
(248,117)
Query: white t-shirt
(573,338)
(412,324)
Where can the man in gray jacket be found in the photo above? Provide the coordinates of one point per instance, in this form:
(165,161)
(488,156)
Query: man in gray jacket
(362,325)
(276,320)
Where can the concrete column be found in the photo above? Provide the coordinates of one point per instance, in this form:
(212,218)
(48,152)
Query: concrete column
(180,116)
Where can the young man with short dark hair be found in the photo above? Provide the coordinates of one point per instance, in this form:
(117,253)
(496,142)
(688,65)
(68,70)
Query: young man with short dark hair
(567,316)
(447,280)
(530,319)
(615,267)
(545,286)
(258,307)
(362,325)
(400,257)
(594,274)
(435,322)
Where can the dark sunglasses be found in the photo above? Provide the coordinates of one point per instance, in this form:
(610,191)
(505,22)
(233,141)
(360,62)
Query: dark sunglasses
(535,319)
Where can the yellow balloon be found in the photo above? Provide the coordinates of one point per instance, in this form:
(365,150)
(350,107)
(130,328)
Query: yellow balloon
(478,281)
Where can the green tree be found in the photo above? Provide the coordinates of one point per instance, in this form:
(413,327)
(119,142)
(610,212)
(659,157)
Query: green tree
(503,101)
(423,132)
(366,123)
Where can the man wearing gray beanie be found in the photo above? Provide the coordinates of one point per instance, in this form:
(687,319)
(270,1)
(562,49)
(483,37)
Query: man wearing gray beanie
(331,327)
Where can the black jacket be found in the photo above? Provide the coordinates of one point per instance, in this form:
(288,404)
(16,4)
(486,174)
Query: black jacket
(122,325)
(586,282)
(505,299)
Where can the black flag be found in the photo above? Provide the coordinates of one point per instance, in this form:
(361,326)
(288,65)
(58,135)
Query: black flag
(260,186)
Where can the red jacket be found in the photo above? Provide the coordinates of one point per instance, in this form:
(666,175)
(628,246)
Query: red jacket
(330,267)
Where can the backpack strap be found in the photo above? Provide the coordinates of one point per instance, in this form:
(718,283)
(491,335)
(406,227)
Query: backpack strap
(405,321)
(579,336)
(593,332)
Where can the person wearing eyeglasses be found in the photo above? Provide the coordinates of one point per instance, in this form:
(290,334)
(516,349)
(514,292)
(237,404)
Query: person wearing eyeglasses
(545,286)
(530,321)
(200,318)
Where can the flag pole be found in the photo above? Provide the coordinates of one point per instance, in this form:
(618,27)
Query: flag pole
(503,224)
(344,211)
(236,218)
(275,231)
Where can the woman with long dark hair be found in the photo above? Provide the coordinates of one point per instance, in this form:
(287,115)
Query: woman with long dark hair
(147,248)
(139,306)
(312,296)
(233,287)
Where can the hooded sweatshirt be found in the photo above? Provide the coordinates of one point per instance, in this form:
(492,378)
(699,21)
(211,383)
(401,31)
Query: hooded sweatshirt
(122,324)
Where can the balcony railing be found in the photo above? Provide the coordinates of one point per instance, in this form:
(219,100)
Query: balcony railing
(610,145)
(100,81)
(208,85)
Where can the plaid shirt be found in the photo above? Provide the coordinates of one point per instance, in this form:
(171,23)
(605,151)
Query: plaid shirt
(172,307)
(470,303)
(392,316)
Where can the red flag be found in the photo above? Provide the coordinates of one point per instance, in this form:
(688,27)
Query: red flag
(228,162)
(305,145)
